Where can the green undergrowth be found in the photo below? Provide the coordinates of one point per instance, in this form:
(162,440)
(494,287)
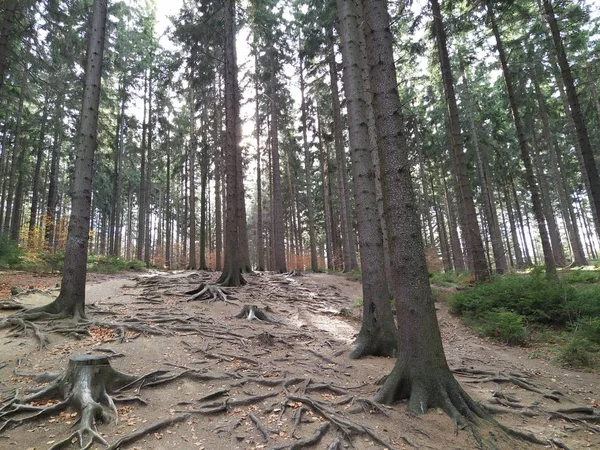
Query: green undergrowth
(559,320)
(111,264)
(10,253)
(12,257)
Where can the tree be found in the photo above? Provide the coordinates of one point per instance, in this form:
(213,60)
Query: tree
(587,154)
(378,332)
(421,373)
(525,148)
(71,299)
(231,275)
(471,231)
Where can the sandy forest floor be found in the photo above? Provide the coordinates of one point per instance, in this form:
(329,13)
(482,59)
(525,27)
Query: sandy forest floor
(256,385)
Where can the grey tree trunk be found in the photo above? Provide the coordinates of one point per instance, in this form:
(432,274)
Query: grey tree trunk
(277,212)
(324,162)
(487,191)
(472,234)
(348,242)
(525,150)
(71,299)
(141,234)
(35,194)
(260,238)
(577,254)
(421,373)
(314,265)
(231,275)
(193,146)
(587,154)
(378,331)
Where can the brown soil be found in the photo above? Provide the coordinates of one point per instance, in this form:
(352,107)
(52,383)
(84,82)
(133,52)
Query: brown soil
(311,341)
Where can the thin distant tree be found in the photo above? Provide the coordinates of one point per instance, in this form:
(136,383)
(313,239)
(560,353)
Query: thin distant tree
(525,148)
(472,234)
(587,154)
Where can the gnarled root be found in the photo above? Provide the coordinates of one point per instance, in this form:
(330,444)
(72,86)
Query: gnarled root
(374,344)
(86,385)
(253,312)
(435,388)
(208,292)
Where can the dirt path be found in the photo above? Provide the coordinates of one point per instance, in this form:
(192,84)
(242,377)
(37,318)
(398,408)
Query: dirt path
(252,365)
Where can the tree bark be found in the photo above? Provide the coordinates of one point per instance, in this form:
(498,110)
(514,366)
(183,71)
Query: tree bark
(378,331)
(231,275)
(471,230)
(487,191)
(348,246)
(525,150)
(277,212)
(587,154)
(314,265)
(421,373)
(71,299)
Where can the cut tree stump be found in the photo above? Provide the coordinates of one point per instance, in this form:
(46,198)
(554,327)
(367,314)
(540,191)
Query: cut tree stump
(86,386)
(253,312)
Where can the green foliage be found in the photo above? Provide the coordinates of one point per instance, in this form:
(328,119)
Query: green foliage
(505,326)
(450,278)
(579,352)
(10,253)
(589,328)
(532,296)
(111,264)
(581,276)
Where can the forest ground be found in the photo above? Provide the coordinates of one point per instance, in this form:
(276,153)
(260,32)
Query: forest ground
(236,359)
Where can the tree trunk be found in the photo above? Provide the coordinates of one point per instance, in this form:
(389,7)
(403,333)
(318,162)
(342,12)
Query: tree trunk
(35,194)
(348,247)
(277,211)
(71,300)
(141,234)
(487,191)
(472,234)
(192,148)
(587,154)
(458,259)
(577,253)
(260,238)
(204,168)
(117,206)
(324,162)
(231,275)
(525,150)
(168,218)
(421,373)
(378,331)
(314,265)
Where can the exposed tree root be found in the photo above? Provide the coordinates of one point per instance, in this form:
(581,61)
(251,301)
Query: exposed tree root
(308,442)
(23,325)
(209,292)
(10,304)
(346,426)
(86,385)
(152,428)
(253,312)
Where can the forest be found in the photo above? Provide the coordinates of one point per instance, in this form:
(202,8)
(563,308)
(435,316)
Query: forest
(405,185)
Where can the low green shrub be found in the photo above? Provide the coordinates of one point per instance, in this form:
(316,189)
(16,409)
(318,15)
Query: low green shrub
(449,278)
(505,326)
(589,328)
(532,296)
(111,264)
(10,253)
(579,352)
(581,276)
